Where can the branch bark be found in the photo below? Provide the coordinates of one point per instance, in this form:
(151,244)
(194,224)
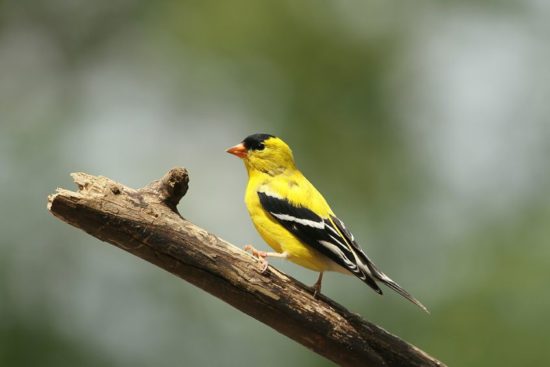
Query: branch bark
(146,223)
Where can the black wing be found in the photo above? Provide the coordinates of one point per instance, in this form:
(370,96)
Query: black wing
(351,240)
(321,234)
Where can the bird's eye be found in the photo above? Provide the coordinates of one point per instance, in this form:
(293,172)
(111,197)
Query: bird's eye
(254,145)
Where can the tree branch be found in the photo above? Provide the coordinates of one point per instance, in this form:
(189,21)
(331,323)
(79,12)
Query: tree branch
(146,223)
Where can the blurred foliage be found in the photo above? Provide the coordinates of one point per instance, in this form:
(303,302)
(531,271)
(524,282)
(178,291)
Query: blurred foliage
(25,344)
(425,125)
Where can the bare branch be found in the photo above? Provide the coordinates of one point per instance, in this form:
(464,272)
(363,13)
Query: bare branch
(145,223)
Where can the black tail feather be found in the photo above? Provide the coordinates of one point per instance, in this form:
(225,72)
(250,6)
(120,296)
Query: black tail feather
(396,287)
(383,278)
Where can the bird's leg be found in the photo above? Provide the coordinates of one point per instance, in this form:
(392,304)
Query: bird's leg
(262,256)
(317,285)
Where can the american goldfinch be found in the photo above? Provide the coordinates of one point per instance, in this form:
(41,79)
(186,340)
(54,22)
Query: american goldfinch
(296,221)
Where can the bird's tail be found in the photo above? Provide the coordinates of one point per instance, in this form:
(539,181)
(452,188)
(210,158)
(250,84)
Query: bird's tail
(380,276)
(396,287)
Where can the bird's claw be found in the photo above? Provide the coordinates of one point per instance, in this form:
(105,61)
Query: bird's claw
(260,255)
(316,292)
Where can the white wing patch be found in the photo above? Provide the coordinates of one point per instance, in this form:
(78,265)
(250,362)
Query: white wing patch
(263,190)
(336,251)
(334,232)
(304,222)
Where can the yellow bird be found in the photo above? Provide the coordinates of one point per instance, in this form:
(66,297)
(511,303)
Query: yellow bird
(296,221)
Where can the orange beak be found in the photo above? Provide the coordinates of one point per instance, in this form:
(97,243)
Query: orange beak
(239,150)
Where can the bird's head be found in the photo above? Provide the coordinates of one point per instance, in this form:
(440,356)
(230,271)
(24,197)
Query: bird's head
(265,153)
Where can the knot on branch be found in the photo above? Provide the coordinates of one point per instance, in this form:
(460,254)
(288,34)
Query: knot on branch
(170,188)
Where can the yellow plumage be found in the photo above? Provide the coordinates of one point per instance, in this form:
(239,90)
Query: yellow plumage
(294,187)
(294,218)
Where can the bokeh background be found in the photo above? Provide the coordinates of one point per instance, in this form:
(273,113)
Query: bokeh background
(425,124)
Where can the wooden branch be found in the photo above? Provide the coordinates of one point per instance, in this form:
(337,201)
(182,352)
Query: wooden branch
(146,223)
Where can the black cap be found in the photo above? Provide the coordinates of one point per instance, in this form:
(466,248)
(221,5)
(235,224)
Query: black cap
(256,141)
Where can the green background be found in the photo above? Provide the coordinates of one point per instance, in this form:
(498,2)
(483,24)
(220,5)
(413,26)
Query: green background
(425,124)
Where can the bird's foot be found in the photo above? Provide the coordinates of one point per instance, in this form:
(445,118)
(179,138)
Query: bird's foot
(260,255)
